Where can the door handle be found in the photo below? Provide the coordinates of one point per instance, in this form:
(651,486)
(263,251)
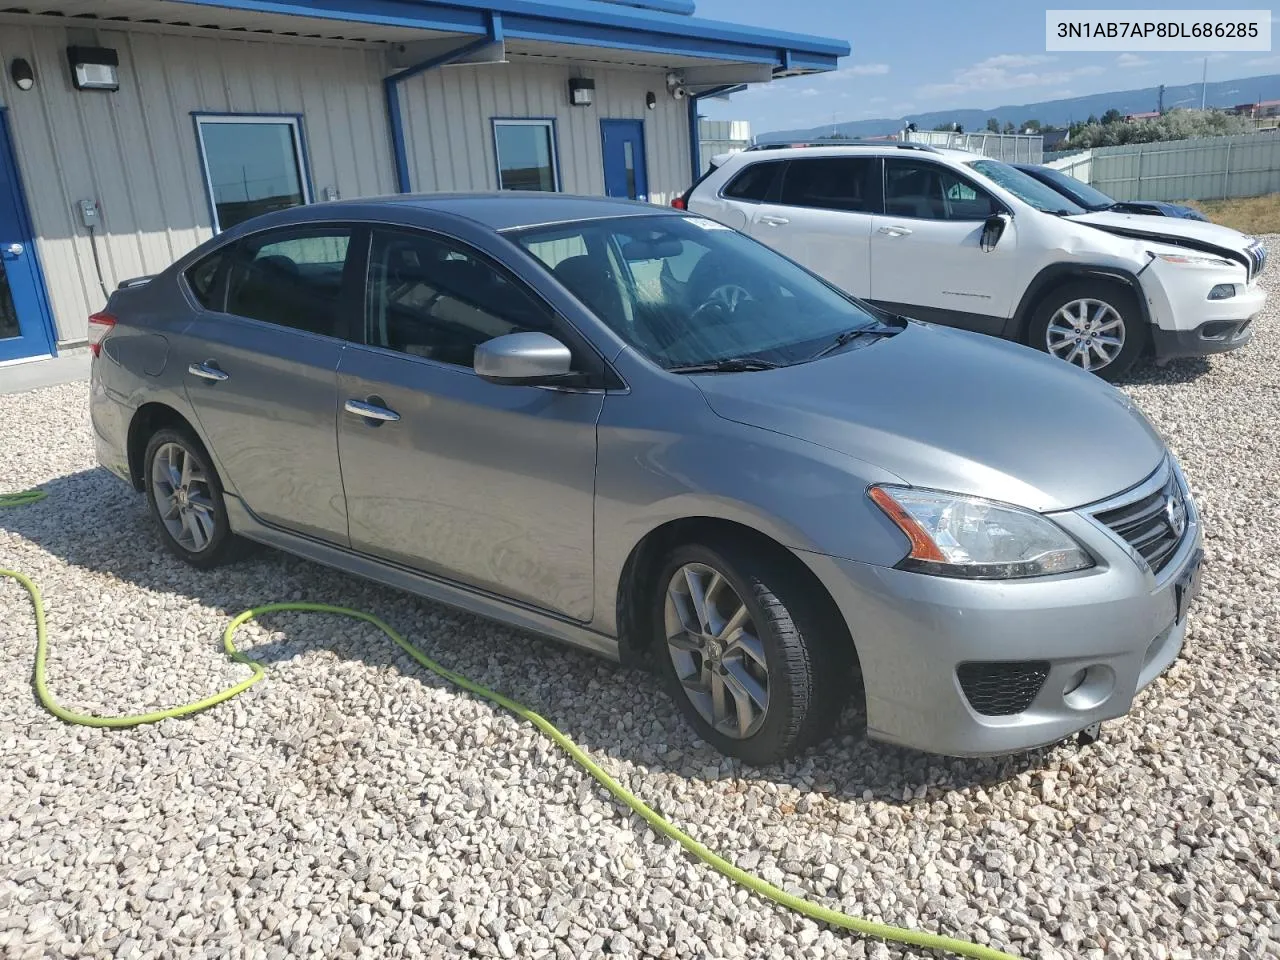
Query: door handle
(371,411)
(774,221)
(208,371)
(895,231)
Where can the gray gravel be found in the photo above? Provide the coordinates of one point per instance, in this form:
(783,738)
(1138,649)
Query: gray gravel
(351,804)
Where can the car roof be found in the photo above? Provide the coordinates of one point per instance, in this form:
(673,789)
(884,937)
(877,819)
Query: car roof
(512,209)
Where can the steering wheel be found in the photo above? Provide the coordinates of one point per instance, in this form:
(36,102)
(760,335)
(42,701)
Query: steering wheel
(726,298)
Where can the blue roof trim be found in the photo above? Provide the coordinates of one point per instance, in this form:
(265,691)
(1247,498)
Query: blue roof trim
(572,21)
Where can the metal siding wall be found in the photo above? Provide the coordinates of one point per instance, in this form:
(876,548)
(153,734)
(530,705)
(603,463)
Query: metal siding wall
(449,124)
(135,150)
(1247,165)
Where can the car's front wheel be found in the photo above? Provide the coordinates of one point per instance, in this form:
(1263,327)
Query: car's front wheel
(1096,327)
(185,496)
(749,651)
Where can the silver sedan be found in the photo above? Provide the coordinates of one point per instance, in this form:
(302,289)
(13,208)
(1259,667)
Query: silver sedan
(640,432)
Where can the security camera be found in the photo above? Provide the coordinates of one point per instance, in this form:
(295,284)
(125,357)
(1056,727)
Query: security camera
(679,92)
(674,80)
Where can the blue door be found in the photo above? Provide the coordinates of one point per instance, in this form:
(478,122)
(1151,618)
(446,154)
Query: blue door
(24,314)
(625,175)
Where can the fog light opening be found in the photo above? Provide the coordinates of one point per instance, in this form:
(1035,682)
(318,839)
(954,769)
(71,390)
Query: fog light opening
(1089,687)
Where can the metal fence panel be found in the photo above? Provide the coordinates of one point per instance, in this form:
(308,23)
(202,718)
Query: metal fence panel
(1210,168)
(1013,147)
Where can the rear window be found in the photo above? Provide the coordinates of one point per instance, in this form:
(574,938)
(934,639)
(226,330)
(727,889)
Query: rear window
(202,279)
(834,183)
(754,182)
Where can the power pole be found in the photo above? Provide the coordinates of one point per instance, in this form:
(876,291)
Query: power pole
(1160,101)
(1204,83)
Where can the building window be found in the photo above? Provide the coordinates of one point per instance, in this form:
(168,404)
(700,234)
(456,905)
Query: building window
(252,165)
(526,152)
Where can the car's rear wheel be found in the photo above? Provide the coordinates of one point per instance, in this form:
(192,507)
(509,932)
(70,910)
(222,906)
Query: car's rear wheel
(748,651)
(1096,327)
(185,496)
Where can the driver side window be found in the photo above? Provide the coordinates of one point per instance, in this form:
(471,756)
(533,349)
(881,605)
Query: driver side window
(432,297)
(929,191)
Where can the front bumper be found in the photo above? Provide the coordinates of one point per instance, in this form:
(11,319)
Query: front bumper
(1186,323)
(1216,336)
(1116,622)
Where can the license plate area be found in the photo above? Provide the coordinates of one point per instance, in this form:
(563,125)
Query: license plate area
(1187,587)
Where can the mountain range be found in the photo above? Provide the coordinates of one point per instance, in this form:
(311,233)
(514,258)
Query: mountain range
(1223,93)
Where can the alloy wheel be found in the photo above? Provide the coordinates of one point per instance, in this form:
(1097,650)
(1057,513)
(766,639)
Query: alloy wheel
(1086,332)
(717,652)
(183,497)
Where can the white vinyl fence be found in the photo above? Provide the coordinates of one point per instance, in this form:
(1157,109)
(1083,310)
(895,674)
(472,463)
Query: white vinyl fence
(1011,147)
(1211,168)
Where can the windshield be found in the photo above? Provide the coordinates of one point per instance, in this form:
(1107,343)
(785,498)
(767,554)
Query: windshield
(686,291)
(1077,190)
(1025,188)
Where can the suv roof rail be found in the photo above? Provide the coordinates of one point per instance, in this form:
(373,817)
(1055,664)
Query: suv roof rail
(856,142)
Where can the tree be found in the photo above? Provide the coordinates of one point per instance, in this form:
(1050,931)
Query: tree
(1112,116)
(1009,127)
(1034,126)
(1092,119)
(943,127)
(993,124)
(1174,125)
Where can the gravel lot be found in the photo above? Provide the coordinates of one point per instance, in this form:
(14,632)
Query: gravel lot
(352,804)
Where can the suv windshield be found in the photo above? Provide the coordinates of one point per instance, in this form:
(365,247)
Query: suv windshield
(687,291)
(1025,188)
(1080,192)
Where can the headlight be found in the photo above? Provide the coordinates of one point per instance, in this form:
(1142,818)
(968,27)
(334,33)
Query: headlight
(953,535)
(1196,261)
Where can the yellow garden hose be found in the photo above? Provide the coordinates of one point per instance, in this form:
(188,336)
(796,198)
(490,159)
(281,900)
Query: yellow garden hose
(718,863)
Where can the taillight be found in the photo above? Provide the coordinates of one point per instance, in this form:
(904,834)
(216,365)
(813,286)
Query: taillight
(679,203)
(100,324)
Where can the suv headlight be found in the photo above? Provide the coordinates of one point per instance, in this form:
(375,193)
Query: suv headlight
(1195,260)
(953,535)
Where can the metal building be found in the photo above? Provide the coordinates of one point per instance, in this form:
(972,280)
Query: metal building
(132,130)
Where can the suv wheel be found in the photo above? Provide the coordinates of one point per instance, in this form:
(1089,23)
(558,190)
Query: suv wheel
(185,496)
(1096,327)
(745,652)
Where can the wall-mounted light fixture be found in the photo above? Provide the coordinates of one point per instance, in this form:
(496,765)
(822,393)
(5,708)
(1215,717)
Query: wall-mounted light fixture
(94,68)
(24,78)
(581,92)
(651,100)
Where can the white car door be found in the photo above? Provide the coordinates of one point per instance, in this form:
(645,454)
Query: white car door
(926,256)
(821,217)
(735,205)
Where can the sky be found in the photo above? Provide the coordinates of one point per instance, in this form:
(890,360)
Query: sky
(923,55)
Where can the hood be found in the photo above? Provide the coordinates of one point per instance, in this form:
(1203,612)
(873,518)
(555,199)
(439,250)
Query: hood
(1209,237)
(955,411)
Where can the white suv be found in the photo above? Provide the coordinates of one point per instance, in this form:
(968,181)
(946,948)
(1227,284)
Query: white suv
(967,241)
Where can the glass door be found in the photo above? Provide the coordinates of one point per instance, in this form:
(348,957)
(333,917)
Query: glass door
(25,322)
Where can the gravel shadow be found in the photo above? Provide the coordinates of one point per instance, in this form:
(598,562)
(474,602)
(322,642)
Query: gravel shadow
(94,521)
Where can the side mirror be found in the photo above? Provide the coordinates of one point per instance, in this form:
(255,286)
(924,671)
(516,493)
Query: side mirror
(993,230)
(523,358)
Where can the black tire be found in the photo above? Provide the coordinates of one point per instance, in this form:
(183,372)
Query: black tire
(807,649)
(221,545)
(1118,298)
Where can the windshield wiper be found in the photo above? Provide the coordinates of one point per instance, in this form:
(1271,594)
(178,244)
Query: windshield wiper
(850,335)
(727,365)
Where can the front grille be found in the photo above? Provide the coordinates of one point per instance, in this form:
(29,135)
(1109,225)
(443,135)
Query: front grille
(1153,525)
(1001,689)
(1257,259)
